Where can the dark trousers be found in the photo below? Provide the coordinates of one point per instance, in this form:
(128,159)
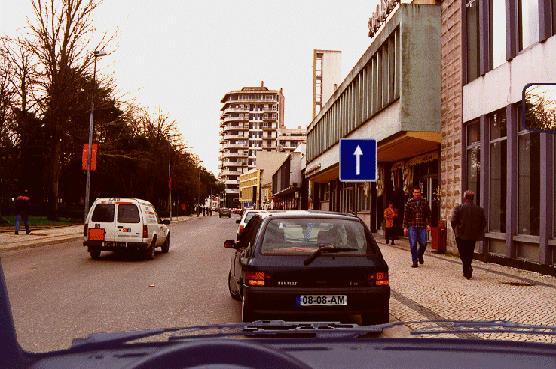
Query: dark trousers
(390,234)
(466,249)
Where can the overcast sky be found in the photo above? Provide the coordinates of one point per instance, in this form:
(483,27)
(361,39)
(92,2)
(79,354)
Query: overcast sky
(182,56)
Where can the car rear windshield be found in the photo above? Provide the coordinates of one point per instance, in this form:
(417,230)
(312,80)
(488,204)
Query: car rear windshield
(103,213)
(128,213)
(303,236)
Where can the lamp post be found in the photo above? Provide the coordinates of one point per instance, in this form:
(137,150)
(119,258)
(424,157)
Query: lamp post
(96,54)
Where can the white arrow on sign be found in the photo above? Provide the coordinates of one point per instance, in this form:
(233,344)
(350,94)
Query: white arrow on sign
(358,153)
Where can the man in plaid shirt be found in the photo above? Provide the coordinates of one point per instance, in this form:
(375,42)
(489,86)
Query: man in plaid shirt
(416,221)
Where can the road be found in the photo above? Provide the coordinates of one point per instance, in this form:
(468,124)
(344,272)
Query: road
(58,293)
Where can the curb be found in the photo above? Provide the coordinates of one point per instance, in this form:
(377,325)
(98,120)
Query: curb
(47,242)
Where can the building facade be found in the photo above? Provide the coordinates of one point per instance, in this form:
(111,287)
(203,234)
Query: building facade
(267,164)
(249,189)
(249,121)
(327,76)
(392,95)
(288,182)
(288,139)
(490,50)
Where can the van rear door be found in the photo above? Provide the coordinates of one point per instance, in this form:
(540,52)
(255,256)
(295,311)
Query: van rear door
(128,225)
(101,225)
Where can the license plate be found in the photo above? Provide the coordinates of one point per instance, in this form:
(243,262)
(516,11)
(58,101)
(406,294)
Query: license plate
(96,234)
(321,300)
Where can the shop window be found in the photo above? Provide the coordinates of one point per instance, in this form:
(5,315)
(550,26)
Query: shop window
(498,32)
(528,23)
(528,183)
(474,158)
(472,33)
(497,171)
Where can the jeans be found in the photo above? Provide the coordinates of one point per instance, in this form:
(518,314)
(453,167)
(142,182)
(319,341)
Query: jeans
(466,249)
(417,234)
(18,219)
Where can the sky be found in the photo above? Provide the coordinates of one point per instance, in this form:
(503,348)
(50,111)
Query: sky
(182,56)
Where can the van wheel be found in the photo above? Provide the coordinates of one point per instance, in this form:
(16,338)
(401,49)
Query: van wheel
(95,254)
(149,251)
(166,245)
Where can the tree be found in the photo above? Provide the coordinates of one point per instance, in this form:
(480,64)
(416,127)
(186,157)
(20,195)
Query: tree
(62,42)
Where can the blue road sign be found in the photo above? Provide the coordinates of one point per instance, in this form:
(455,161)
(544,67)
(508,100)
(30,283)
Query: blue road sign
(358,160)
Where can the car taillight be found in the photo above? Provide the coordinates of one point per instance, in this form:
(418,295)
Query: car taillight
(256,278)
(241,228)
(145,231)
(379,279)
(85,227)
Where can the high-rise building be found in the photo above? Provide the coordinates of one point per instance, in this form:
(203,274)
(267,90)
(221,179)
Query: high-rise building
(288,139)
(326,76)
(249,121)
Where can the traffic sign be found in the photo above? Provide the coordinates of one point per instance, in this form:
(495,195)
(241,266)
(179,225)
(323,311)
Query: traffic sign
(358,160)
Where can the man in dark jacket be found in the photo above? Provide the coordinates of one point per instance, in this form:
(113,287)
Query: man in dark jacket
(416,222)
(22,211)
(469,224)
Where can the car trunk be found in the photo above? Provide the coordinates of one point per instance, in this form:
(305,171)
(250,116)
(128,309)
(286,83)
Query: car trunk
(129,227)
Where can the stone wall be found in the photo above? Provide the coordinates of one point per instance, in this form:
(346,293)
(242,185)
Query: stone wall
(451,108)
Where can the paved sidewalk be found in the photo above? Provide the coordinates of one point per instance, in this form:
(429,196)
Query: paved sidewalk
(437,290)
(49,236)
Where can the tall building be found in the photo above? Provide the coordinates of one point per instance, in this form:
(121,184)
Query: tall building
(288,139)
(326,76)
(249,121)
(490,50)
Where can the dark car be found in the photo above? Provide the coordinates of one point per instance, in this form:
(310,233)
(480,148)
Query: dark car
(302,263)
(224,212)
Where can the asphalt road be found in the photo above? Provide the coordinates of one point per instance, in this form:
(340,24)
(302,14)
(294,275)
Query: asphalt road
(58,292)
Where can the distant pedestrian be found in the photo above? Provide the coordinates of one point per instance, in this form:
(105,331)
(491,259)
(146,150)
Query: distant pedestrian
(469,224)
(204,210)
(390,214)
(416,222)
(198,209)
(22,203)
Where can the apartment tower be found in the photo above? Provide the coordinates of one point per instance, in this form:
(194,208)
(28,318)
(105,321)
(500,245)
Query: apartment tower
(249,121)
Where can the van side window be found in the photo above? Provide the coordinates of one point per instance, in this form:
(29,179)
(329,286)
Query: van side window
(103,213)
(128,213)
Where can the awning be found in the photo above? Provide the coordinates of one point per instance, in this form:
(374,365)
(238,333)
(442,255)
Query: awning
(287,191)
(326,176)
(406,145)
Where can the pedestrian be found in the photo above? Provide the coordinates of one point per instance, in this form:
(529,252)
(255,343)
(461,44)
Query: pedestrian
(204,210)
(198,209)
(390,214)
(469,224)
(22,203)
(416,223)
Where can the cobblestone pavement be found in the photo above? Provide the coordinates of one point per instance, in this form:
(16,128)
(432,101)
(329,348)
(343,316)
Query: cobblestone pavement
(437,290)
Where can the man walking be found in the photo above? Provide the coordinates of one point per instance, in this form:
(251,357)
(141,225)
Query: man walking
(416,222)
(469,224)
(22,211)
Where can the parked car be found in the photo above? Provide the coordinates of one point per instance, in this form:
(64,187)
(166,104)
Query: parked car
(302,263)
(224,212)
(125,224)
(245,218)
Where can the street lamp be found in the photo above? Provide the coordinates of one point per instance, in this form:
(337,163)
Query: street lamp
(96,54)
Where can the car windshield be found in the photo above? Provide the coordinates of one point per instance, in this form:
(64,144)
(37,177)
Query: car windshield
(302,236)
(358,161)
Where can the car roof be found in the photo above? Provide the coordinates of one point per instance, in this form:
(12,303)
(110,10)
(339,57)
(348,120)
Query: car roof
(311,214)
(113,200)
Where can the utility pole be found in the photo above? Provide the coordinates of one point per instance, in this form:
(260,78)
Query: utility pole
(96,54)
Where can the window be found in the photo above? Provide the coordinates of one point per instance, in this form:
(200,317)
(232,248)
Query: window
(528,23)
(528,217)
(472,33)
(474,158)
(497,203)
(497,32)
(103,213)
(128,213)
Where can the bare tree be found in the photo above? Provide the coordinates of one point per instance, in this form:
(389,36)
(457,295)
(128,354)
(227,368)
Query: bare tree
(62,40)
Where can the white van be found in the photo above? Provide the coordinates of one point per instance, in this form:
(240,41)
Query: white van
(125,224)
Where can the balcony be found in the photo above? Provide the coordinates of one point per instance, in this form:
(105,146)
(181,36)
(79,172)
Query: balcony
(234,154)
(240,127)
(235,110)
(235,137)
(232,164)
(235,119)
(255,138)
(232,190)
(231,181)
(230,173)
(236,145)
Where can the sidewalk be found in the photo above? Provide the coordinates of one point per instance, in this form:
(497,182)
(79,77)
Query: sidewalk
(48,236)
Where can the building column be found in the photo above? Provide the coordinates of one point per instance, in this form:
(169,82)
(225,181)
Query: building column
(546,198)
(485,176)
(545,19)
(512,124)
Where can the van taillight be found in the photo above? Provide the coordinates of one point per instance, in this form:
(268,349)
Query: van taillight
(145,231)
(256,278)
(379,279)
(85,228)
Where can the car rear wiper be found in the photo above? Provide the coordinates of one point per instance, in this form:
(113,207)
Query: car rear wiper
(326,249)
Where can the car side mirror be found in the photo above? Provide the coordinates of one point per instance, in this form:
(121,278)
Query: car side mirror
(237,221)
(230,244)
